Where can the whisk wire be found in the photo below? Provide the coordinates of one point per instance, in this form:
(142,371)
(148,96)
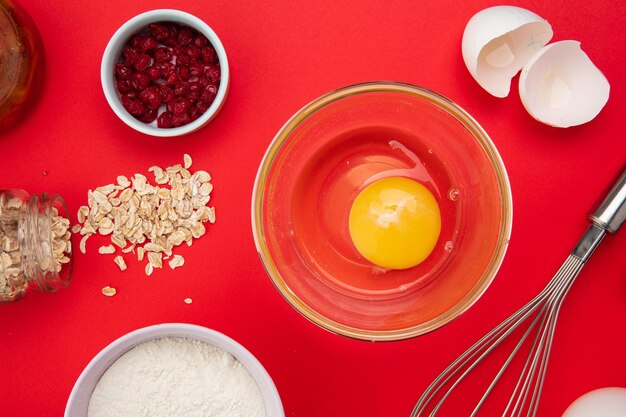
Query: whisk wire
(481,349)
(543,309)
(540,351)
(456,367)
(568,281)
(533,359)
(504,367)
(525,370)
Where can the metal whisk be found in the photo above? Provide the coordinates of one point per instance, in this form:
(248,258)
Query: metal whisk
(540,315)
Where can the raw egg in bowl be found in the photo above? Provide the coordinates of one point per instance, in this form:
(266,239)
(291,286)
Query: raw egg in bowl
(381,211)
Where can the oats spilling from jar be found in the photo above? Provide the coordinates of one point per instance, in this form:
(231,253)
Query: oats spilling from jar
(149,220)
(46,246)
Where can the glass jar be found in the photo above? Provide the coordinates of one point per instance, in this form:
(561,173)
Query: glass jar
(35,243)
(21,63)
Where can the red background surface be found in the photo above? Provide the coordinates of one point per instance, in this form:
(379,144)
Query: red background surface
(282,55)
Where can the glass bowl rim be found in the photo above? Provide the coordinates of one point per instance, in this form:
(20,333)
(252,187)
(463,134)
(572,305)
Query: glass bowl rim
(479,134)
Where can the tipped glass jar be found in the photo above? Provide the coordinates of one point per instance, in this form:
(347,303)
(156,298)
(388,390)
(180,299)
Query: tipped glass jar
(35,244)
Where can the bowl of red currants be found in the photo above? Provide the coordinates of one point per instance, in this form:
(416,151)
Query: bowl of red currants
(165,73)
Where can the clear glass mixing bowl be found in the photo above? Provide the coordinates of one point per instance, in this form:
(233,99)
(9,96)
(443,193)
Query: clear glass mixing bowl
(329,151)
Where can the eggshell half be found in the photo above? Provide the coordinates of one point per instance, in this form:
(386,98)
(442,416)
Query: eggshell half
(498,41)
(561,87)
(604,402)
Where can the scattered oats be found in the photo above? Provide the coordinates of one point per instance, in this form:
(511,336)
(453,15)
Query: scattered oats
(159,175)
(205,189)
(76,228)
(83,212)
(188,301)
(119,240)
(177,237)
(120,262)
(105,226)
(202,176)
(109,291)
(129,249)
(106,250)
(123,181)
(153,219)
(155,259)
(198,230)
(88,228)
(153,247)
(106,189)
(187,161)
(164,179)
(157,171)
(99,197)
(174,169)
(82,244)
(107,207)
(126,195)
(164,194)
(176,261)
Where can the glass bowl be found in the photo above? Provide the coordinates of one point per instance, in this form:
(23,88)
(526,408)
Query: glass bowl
(325,155)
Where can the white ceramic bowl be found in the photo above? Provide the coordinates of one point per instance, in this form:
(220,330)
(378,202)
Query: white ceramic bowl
(78,402)
(114,49)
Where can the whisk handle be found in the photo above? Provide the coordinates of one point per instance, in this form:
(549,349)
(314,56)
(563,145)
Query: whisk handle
(611,213)
(608,217)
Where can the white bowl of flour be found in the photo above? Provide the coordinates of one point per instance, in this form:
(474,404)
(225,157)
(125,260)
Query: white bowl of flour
(174,369)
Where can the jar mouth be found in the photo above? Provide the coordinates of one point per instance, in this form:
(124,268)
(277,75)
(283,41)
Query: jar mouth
(45,212)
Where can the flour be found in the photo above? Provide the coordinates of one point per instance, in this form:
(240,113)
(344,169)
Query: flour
(176,377)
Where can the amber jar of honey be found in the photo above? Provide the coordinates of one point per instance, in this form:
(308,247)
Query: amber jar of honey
(21,64)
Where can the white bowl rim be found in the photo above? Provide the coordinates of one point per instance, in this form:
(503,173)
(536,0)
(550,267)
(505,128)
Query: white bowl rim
(117,42)
(107,356)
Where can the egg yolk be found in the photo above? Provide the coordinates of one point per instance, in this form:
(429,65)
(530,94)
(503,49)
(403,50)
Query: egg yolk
(395,223)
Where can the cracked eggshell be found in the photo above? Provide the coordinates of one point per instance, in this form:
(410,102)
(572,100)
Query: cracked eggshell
(498,41)
(561,87)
